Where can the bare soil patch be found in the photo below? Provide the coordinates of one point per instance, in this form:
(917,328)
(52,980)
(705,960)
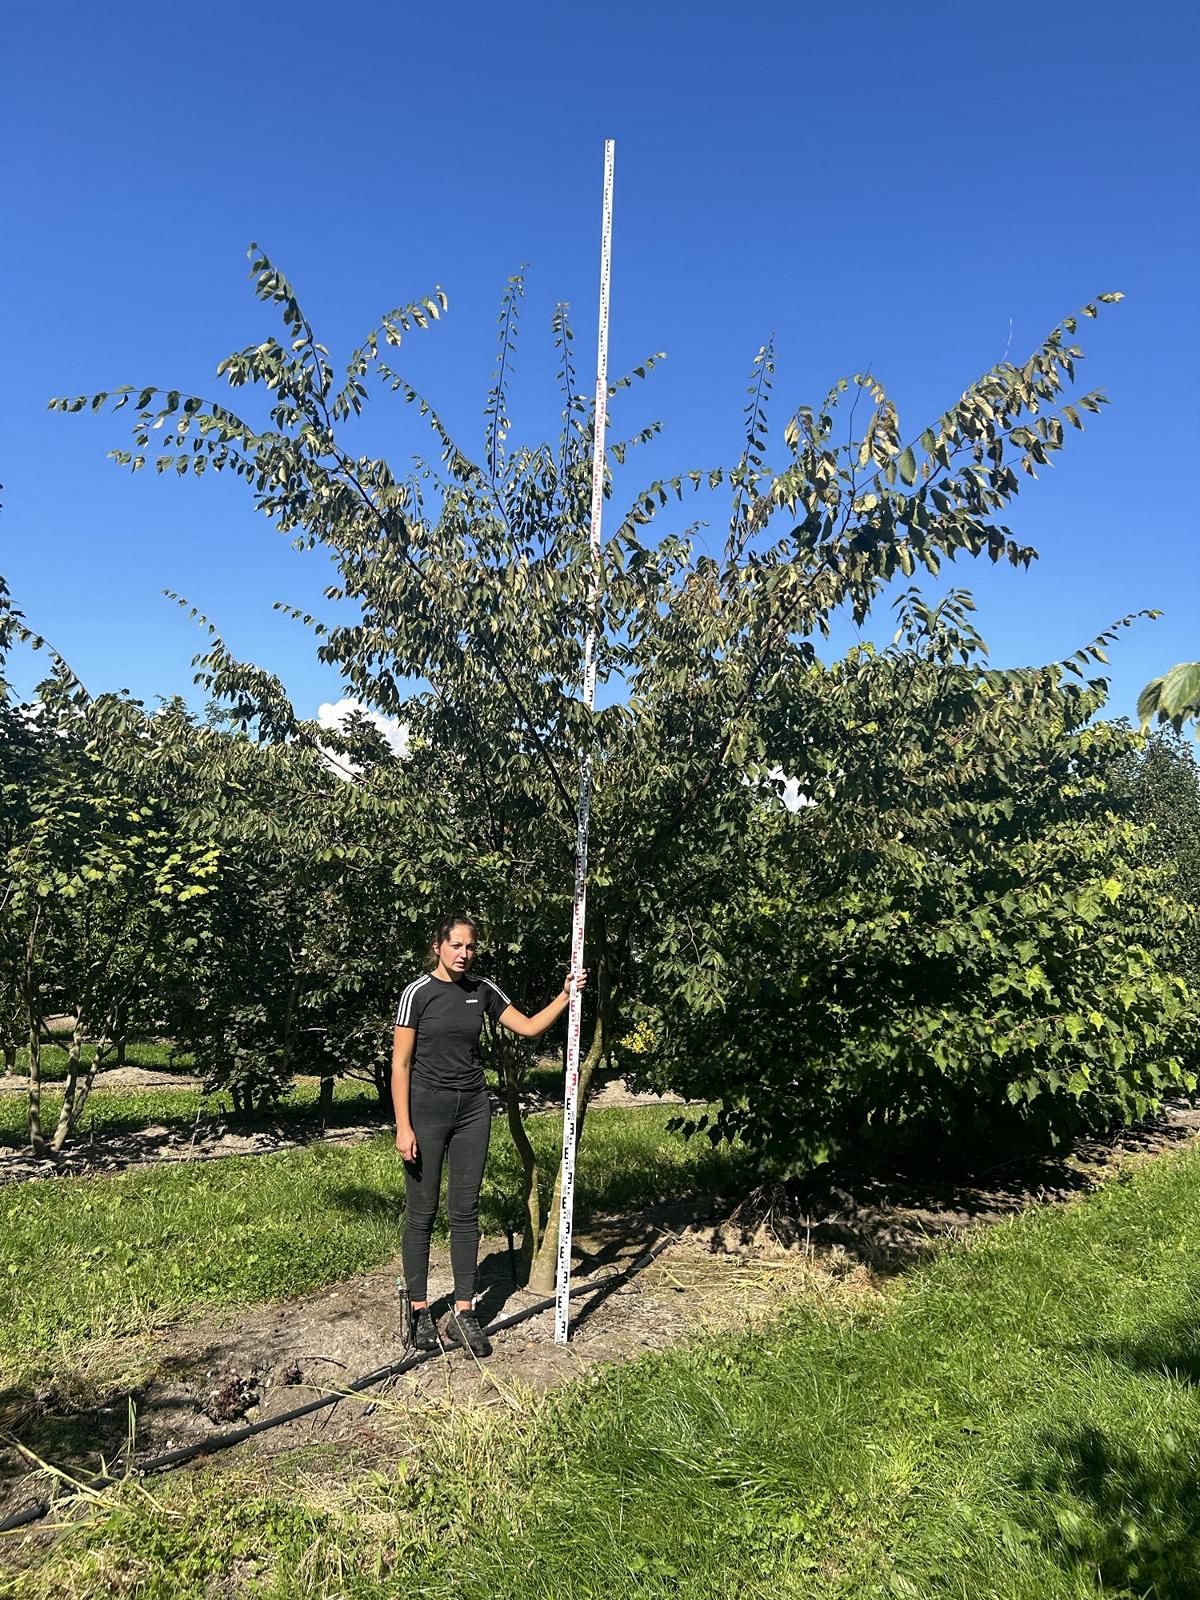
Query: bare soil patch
(209,1139)
(208,1376)
(228,1368)
(887,1221)
(111,1078)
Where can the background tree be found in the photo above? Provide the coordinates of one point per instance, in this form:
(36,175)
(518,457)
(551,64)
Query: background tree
(93,876)
(957,941)
(22,752)
(297,947)
(1159,785)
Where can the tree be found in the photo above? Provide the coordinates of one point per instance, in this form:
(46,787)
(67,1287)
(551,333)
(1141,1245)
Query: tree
(958,942)
(472,580)
(296,947)
(93,874)
(1159,786)
(22,749)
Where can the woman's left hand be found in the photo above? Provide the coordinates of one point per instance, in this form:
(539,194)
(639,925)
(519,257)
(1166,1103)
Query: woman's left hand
(576,979)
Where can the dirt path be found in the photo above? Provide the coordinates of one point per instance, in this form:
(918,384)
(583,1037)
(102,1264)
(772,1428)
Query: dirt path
(110,1078)
(245,1365)
(222,1369)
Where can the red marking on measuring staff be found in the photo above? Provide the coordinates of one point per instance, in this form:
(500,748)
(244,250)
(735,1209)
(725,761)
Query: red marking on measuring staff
(562,1289)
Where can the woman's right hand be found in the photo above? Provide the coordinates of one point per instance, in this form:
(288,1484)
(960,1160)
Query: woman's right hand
(406,1143)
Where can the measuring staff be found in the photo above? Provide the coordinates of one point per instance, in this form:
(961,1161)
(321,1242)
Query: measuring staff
(566,1212)
(444,1114)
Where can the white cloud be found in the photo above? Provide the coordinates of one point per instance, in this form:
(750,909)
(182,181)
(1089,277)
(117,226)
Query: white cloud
(788,790)
(333,714)
(791,794)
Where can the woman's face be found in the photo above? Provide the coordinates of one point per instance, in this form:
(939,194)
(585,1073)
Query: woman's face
(457,950)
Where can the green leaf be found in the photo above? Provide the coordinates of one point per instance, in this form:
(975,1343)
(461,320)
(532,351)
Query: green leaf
(1175,697)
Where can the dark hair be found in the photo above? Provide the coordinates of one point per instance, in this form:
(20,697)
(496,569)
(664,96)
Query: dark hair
(454,920)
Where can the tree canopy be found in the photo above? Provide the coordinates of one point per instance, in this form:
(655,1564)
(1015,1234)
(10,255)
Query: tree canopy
(956,926)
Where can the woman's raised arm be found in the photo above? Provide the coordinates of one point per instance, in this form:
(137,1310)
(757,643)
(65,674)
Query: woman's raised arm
(531,1027)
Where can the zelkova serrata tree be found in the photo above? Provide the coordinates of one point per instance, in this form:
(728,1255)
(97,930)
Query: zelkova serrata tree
(472,577)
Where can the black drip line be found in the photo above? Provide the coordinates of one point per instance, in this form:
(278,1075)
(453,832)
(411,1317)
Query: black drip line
(203,1447)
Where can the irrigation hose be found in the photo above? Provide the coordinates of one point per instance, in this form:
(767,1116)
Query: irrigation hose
(394,1369)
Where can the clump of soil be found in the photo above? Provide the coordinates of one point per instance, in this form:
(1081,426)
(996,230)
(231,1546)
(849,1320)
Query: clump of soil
(231,1396)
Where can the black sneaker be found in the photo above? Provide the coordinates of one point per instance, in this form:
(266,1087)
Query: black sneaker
(463,1330)
(424,1331)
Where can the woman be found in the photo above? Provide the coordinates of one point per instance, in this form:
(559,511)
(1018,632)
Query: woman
(444,1111)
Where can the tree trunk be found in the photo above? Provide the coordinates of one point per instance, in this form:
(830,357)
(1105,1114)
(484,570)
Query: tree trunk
(531,1208)
(36,1137)
(543,1271)
(34,1020)
(10,1059)
(75,1093)
(66,1117)
(119,1059)
(103,1046)
(289,1025)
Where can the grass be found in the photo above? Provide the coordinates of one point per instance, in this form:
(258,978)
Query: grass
(111,1111)
(88,1259)
(114,1111)
(159,1056)
(1018,1419)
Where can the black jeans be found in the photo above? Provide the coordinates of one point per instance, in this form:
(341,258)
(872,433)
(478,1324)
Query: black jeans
(454,1124)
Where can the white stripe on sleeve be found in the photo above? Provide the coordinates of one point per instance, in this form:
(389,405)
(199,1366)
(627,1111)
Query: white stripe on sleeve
(404,1009)
(498,990)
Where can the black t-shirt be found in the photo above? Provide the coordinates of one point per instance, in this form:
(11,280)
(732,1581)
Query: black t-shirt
(448,1018)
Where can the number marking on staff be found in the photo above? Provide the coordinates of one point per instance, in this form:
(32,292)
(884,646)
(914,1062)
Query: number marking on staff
(562,1291)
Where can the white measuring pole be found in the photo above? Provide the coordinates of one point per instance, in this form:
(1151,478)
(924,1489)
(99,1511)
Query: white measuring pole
(562,1289)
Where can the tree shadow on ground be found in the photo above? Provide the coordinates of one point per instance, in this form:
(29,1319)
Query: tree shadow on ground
(82,1437)
(367,1200)
(1121,1515)
(890,1218)
(112,1139)
(55,1435)
(1126,1511)
(1172,1351)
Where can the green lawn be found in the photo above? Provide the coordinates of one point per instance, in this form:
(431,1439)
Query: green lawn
(1017,1420)
(160,1057)
(111,1111)
(83,1259)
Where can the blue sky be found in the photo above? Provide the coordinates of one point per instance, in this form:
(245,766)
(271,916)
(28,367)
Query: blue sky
(908,189)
